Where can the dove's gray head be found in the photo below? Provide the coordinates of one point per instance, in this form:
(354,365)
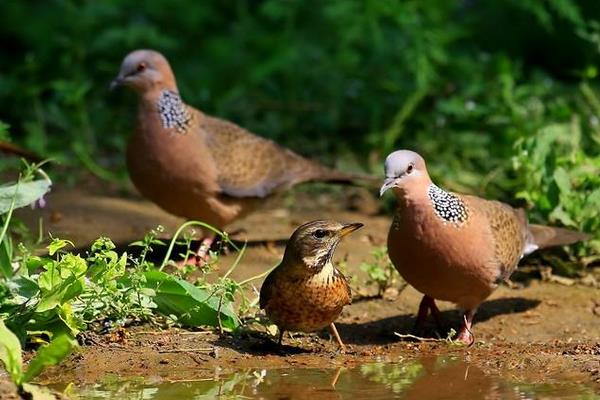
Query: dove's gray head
(403,167)
(143,70)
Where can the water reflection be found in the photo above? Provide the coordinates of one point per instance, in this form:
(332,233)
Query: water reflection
(428,378)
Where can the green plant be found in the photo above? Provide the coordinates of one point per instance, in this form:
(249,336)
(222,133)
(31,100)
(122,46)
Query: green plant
(560,182)
(380,271)
(50,354)
(24,192)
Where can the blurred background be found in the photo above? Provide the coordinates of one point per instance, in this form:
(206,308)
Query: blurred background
(501,97)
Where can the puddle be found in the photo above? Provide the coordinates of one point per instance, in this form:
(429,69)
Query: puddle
(428,378)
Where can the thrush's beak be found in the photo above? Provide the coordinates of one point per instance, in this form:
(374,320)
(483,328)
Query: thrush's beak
(387,184)
(118,81)
(349,228)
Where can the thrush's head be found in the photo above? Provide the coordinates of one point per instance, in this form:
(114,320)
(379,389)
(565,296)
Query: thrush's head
(143,70)
(403,168)
(312,245)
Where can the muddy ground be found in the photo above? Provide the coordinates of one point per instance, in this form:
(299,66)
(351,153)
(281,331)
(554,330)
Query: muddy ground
(535,331)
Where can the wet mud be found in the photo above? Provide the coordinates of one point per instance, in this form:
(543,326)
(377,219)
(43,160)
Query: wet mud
(530,337)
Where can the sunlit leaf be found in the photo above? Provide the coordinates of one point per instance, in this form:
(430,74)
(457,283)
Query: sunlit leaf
(10,353)
(191,305)
(60,347)
(25,194)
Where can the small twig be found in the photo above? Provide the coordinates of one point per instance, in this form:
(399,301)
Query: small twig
(263,274)
(194,350)
(420,339)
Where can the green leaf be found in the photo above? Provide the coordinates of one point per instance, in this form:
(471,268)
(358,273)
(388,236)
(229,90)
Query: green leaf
(58,244)
(6,257)
(192,305)
(561,177)
(10,353)
(51,354)
(25,194)
(38,392)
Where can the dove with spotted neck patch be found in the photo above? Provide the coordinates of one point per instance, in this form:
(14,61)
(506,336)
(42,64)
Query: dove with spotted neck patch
(201,167)
(454,247)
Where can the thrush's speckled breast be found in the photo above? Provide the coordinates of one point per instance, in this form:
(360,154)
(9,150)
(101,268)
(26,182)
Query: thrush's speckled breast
(306,292)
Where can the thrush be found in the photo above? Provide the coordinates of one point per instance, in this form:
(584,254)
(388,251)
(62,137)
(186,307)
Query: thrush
(201,167)
(454,247)
(306,292)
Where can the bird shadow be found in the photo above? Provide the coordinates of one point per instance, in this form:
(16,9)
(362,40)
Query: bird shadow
(382,331)
(259,344)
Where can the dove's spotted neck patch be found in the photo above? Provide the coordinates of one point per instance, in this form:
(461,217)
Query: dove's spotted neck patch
(447,206)
(173,112)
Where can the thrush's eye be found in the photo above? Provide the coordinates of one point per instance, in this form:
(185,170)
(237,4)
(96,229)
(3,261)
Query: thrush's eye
(319,233)
(141,67)
(410,168)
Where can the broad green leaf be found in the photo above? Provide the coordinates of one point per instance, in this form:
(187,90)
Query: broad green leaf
(190,304)
(60,347)
(561,177)
(26,194)
(10,353)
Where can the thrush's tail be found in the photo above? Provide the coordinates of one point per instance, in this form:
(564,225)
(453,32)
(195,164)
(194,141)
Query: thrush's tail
(548,236)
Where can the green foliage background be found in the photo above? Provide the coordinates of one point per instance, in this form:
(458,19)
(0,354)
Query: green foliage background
(474,85)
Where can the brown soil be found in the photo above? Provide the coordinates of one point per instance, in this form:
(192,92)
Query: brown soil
(538,332)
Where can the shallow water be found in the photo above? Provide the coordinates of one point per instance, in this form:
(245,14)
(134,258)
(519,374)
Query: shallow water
(428,378)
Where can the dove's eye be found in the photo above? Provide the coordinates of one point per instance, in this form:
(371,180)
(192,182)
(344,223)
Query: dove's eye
(141,67)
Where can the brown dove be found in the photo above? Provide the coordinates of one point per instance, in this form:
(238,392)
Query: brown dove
(201,167)
(454,247)
(306,292)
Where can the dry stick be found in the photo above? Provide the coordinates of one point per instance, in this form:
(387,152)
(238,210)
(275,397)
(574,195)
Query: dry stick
(195,350)
(420,339)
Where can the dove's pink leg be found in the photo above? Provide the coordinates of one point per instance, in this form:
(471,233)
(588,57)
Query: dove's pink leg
(465,334)
(426,306)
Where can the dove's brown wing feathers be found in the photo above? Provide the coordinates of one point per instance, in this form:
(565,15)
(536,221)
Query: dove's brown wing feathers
(252,166)
(508,230)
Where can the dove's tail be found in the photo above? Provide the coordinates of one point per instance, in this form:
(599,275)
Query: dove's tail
(547,236)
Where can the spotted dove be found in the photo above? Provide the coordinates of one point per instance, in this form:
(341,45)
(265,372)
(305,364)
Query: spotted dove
(454,247)
(201,167)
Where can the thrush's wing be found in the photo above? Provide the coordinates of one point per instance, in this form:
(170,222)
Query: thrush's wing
(508,227)
(252,166)
(266,290)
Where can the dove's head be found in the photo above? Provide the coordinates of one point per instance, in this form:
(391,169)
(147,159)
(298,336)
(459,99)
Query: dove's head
(404,168)
(145,70)
(312,245)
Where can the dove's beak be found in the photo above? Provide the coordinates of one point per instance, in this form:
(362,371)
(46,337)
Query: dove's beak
(388,183)
(118,81)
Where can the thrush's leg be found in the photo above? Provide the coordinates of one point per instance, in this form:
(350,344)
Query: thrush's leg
(465,334)
(281,331)
(335,333)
